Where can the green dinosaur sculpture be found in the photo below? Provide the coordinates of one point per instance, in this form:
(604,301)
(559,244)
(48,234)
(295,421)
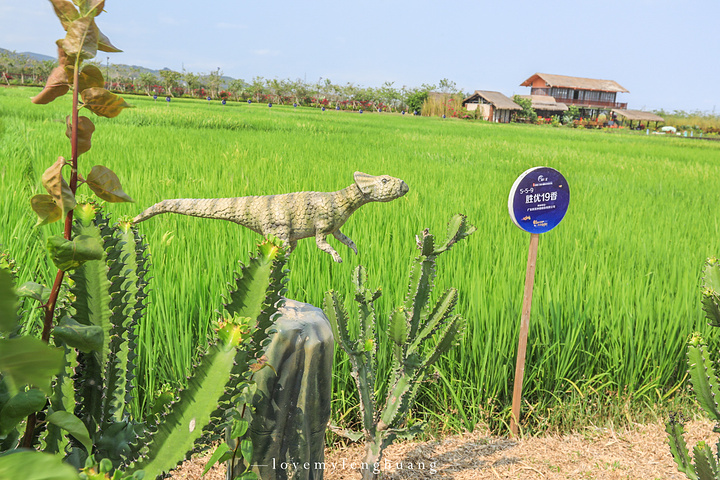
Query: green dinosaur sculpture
(292,216)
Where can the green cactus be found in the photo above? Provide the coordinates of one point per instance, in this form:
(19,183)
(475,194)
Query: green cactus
(86,416)
(706,387)
(419,335)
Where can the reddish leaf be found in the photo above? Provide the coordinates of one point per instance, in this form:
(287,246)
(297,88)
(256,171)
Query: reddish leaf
(66,12)
(106,185)
(90,7)
(85,131)
(105,45)
(90,77)
(57,187)
(81,38)
(103,103)
(46,209)
(57,85)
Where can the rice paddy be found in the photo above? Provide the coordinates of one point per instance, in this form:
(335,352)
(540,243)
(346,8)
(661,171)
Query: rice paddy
(616,291)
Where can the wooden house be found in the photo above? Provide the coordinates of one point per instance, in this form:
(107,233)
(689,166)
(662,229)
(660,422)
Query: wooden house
(495,106)
(590,95)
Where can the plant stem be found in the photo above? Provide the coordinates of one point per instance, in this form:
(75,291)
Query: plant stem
(49,307)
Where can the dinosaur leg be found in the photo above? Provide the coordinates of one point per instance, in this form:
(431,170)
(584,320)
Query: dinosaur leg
(325,246)
(345,240)
(293,244)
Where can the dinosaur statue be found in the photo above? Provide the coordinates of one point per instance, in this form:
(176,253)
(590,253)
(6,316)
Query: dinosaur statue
(292,216)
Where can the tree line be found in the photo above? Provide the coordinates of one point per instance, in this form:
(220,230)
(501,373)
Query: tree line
(20,69)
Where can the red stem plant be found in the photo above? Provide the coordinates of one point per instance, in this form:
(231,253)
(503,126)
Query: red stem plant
(82,41)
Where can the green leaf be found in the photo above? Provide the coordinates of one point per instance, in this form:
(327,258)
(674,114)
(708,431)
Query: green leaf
(85,131)
(30,465)
(46,209)
(73,425)
(28,360)
(246,449)
(19,407)
(248,476)
(68,255)
(8,310)
(41,293)
(239,428)
(82,38)
(102,102)
(219,452)
(106,185)
(57,187)
(86,338)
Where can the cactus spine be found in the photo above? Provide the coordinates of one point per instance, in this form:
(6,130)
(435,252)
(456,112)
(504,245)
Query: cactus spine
(419,335)
(707,389)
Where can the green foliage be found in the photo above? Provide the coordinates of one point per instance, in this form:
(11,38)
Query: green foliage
(707,390)
(527,113)
(573,112)
(598,322)
(416,100)
(71,390)
(419,336)
(90,395)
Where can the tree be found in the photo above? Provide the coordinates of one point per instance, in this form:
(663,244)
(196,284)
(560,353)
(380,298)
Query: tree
(415,100)
(238,87)
(527,112)
(147,80)
(170,79)
(257,87)
(214,81)
(192,82)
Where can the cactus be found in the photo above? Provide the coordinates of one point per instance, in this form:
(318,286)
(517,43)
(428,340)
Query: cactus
(418,336)
(705,384)
(87,417)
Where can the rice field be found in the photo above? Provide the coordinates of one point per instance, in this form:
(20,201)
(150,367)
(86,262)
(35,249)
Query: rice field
(616,290)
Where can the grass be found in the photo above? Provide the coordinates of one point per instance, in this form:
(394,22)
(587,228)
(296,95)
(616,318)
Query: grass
(616,290)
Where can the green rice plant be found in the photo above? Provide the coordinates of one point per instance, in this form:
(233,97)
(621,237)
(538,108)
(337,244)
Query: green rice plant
(418,336)
(615,286)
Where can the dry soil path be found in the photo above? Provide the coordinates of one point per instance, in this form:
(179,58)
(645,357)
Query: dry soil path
(636,453)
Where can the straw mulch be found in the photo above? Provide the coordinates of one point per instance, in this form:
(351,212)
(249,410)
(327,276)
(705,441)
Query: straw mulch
(635,453)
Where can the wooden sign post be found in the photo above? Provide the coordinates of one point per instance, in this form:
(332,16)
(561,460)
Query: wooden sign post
(537,203)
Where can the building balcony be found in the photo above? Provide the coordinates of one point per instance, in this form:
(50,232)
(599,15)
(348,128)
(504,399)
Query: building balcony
(592,103)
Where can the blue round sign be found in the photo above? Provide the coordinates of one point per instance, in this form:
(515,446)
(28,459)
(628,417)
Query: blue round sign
(539,199)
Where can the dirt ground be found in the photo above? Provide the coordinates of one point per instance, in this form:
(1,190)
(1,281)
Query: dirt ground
(636,453)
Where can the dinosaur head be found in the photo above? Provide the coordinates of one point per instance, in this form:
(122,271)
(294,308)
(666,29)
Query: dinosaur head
(382,188)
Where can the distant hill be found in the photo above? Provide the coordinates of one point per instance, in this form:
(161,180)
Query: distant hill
(34,56)
(114,67)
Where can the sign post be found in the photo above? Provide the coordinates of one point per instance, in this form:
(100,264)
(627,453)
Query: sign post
(537,203)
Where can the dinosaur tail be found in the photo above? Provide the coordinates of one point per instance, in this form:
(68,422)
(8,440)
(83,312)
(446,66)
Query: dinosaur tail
(231,209)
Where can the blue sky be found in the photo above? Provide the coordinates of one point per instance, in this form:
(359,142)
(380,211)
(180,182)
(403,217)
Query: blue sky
(664,52)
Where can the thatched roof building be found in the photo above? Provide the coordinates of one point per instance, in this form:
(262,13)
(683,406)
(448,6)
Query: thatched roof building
(638,115)
(495,106)
(577,83)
